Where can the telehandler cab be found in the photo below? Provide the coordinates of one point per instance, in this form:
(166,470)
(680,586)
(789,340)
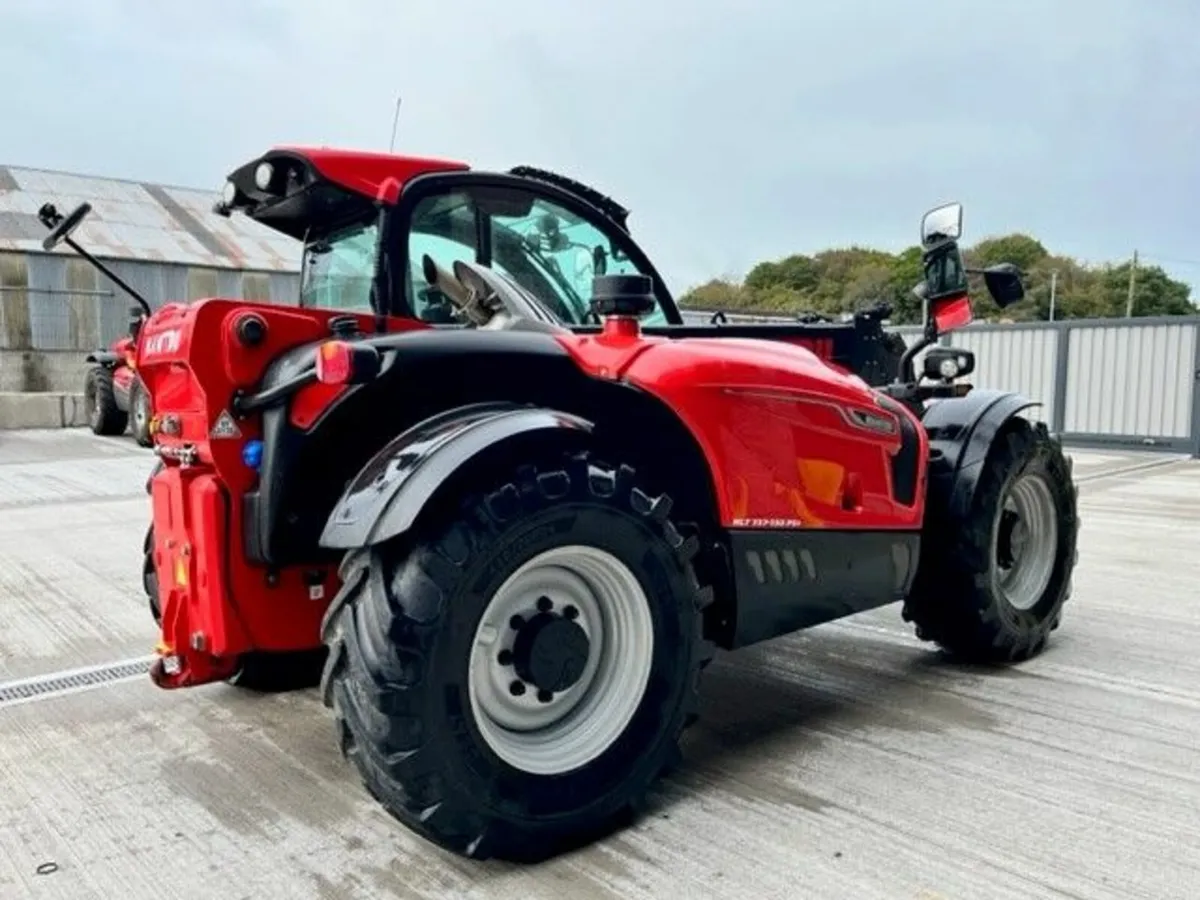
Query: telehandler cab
(488,490)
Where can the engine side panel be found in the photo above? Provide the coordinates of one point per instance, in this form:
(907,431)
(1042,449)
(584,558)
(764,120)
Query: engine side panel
(792,442)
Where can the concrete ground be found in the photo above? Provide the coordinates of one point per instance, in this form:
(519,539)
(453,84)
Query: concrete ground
(847,762)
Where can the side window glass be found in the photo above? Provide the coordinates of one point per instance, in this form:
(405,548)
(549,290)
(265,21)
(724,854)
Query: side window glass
(339,269)
(554,253)
(443,228)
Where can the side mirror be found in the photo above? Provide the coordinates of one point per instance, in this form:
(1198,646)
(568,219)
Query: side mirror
(61,227)
(1003,282)
(947,363)
(943,223)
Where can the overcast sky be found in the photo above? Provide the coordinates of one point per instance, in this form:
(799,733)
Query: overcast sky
(735,131)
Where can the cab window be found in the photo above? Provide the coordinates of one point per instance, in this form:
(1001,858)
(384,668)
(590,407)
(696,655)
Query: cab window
(545,247)
(340,268)
(555,253)
(444,229)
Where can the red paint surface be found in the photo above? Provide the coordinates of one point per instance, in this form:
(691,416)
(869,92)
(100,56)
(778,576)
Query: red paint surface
(380,176)
(954,312)
(774,422)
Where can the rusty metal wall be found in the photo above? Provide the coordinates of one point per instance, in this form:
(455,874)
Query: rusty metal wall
(139,221)
(50,302)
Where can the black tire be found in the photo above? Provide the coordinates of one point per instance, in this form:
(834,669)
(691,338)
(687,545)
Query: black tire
(139,413)
(401,629)
(104,417)
(956,600)
(150,577)
(259,672)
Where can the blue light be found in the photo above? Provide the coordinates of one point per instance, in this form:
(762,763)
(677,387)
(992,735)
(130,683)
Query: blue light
(252,454)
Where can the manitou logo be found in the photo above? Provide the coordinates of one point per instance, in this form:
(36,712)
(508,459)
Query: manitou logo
(163,342)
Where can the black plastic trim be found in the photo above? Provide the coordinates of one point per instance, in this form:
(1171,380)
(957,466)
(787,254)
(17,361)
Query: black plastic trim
(906,464)
(390,492)
(789,580)
(961,432)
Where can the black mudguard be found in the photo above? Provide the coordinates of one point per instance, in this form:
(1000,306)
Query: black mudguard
(961,431)
(105,358)
(390,491)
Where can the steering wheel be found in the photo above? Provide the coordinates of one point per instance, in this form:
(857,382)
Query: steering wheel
(60,227)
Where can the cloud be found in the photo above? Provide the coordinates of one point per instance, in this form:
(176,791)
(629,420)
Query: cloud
(735,130)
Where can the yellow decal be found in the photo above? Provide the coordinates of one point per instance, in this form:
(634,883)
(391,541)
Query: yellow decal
(181,573)
(822,480)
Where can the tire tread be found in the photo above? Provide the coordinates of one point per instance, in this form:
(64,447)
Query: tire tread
(373,686)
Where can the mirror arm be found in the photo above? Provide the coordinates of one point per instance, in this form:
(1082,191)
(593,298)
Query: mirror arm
(112,276)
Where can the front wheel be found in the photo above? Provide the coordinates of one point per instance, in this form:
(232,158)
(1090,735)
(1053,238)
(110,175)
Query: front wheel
(991,586)
(510,681)
(104,416)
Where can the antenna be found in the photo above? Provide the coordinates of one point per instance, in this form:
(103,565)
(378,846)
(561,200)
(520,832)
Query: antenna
(395,123)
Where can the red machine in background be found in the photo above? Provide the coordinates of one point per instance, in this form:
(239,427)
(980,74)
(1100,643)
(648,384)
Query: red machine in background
(114,397)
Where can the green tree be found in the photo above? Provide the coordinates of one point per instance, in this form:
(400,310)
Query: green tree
(844,280)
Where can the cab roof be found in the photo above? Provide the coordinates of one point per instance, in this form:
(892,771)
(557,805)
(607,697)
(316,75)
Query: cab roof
(380,176)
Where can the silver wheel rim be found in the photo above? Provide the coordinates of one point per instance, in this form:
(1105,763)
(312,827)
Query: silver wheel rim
(578,724)
(1025,544)
(140,413)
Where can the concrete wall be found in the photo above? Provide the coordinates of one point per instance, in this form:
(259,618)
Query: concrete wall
(42,370)
(41,388)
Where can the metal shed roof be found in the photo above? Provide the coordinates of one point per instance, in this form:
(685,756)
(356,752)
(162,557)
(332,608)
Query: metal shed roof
(139,221)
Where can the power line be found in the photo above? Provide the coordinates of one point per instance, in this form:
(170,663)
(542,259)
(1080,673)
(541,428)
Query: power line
(1170,260)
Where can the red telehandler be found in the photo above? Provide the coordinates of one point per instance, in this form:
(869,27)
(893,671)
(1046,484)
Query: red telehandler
(487,490)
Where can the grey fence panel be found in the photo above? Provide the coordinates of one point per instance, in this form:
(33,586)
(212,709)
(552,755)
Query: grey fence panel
(1132,384)
(1014,358)
(1104,382)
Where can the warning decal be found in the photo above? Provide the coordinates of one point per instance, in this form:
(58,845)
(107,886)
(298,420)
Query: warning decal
(225,427)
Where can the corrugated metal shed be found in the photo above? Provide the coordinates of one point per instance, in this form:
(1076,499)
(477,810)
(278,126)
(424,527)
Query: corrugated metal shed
(139,221)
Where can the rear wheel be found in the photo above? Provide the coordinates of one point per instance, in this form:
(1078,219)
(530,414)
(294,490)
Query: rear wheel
(510,681)
(139,413)
(991,586)
(104,417)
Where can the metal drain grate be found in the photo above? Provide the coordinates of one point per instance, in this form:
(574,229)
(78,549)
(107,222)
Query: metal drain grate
(72,681)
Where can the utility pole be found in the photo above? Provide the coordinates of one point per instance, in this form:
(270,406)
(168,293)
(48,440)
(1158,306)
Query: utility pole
(395,123)
(1132,282)
(1053,291)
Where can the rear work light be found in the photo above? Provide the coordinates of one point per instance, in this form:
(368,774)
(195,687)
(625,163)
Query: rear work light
(346,362)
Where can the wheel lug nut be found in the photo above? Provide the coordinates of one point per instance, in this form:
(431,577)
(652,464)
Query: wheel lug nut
(516,622)
(517,688)
(544,696)
(545,604)
(570,612)
(505,658)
